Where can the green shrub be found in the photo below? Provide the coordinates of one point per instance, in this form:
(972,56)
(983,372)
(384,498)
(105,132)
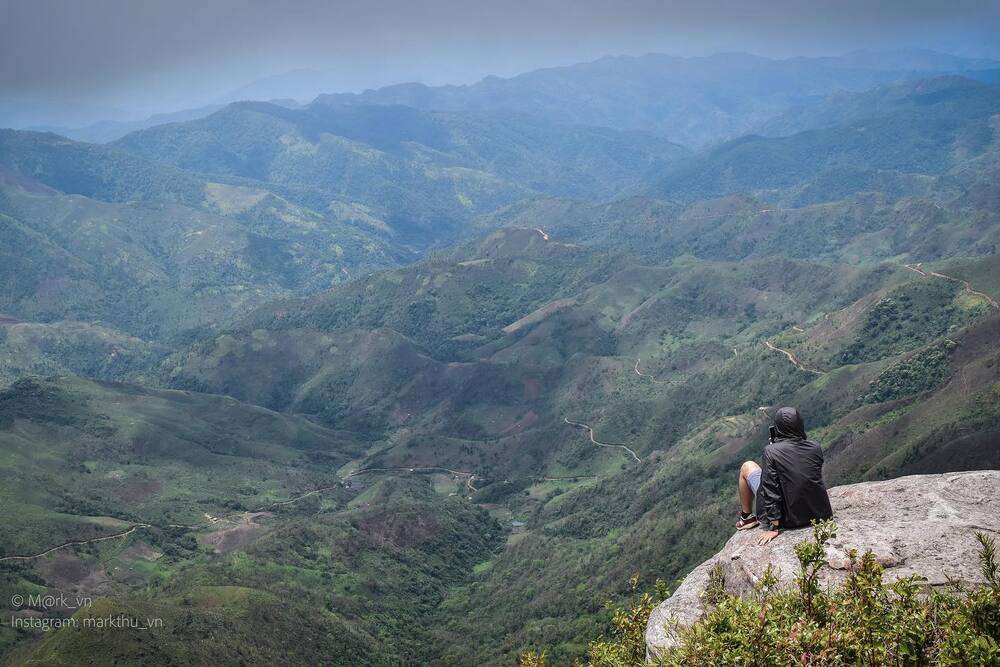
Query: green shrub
(862,621)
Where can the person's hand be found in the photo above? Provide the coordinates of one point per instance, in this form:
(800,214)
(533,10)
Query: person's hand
(767,537)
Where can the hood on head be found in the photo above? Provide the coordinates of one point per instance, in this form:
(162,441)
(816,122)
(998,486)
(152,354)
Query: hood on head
(788,423)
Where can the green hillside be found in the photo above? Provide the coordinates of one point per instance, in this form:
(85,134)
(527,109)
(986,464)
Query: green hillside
(151,456)
(660,519)
(682,319)
(145,255)
(68,347)
(862,228)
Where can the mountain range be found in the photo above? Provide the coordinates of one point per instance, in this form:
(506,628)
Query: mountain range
(425,375)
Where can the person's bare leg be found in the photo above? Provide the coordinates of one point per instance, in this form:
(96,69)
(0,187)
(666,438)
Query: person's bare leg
(746,493)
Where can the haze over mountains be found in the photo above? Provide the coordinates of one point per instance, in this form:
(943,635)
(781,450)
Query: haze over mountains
(340,352)
(692,100)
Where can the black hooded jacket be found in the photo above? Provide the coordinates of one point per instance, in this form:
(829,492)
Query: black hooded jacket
(791,489)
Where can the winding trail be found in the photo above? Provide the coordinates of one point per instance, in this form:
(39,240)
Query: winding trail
(124,533)
(918,268)
(470,477)
(594,440)
(650,377)
(296,499)
(792,358)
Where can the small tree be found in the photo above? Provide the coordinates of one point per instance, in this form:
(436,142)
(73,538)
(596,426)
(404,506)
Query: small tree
(627,642)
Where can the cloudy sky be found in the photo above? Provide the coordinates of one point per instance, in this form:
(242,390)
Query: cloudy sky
(83,60)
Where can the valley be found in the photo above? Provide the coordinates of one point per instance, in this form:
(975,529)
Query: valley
(425,375)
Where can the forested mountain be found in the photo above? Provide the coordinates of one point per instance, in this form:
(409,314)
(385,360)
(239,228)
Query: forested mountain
(96,233)
(937,96)
(422,173)
(424,375)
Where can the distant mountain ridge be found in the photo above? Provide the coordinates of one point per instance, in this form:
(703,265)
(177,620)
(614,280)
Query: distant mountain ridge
(692,101)
(109,130)
(561,91)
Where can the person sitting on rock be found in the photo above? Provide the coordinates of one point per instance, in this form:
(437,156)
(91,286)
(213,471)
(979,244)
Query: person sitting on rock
(789,487)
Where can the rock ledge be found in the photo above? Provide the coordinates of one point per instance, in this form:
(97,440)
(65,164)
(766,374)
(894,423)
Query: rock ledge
(921,524)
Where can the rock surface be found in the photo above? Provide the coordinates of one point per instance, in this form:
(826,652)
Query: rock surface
(921,524)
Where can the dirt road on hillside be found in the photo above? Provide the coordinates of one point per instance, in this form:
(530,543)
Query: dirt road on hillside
(594,440)
(124,533)
(296,499)
(792,358)
(137,526)
(650,377)
(918,268)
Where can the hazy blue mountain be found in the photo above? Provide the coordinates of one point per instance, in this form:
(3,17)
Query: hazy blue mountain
(300,84)
(916,60)
(109,130)
(938,96)
(716,87)
(693,101)
(925,129)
